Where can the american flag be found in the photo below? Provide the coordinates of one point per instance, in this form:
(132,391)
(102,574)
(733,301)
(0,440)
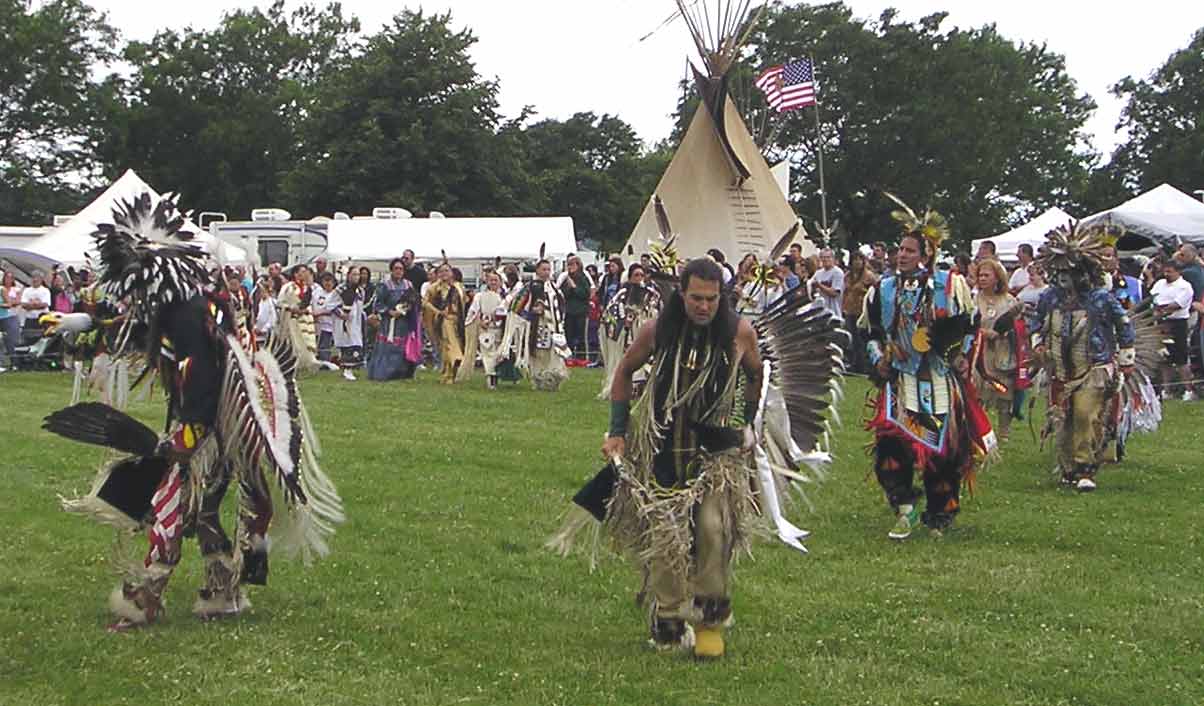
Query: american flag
(789,86)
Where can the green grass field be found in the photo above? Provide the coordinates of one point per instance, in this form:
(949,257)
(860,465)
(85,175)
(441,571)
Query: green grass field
(438,590)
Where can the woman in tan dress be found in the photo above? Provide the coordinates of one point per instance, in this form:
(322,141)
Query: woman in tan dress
(995,371)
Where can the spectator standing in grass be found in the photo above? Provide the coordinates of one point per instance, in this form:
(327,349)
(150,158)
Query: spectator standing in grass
(878,259)
(1030,296)
(858,281)
(986,251)
(575,288)
(324,305)
(827,284)
(1126,289)
(1172,305)
(62,295)
(10,318)
(265,313)
(611,281)
(717,255)
(1019,278)
(35,299)
(787,270)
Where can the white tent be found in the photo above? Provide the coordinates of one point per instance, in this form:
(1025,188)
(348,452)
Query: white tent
(1162,214)
(511,239)
(1033,233)
(71,243)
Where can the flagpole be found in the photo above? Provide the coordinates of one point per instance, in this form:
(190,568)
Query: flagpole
(819,145)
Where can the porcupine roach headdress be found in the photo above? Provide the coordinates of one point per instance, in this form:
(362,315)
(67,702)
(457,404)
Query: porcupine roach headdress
(1076,247)
(146,256)
(932,226)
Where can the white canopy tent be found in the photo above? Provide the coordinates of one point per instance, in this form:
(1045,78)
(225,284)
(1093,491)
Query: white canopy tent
(1033,233)
(71,243)
(1161,215)
(473,239)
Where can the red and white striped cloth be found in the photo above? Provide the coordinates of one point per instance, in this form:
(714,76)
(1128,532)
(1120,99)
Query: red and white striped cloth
(166,504)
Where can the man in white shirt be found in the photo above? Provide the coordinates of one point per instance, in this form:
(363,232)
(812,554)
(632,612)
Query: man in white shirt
(827,284)
(1019,278)
(1172,304)
(35,299)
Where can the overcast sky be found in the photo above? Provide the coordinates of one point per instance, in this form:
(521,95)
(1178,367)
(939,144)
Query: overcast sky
(566,56)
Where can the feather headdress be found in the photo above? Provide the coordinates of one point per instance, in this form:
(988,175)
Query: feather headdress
(662,251)
(1074,246)
(932,226)
(146,255)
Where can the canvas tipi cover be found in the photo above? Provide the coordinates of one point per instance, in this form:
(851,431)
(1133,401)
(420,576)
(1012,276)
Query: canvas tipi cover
(710,203)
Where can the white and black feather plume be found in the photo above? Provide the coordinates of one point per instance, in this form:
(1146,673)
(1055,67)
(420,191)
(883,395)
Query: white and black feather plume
(146,255)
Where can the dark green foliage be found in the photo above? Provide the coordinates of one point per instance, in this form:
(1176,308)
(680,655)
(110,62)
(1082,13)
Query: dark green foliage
(216,114)
(1164,118)
(984,129)
(50,114)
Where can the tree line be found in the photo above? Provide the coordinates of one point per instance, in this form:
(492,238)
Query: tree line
(301,109)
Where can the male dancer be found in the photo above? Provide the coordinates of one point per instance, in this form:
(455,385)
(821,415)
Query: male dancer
(1084,338)
(233,415)
(927,417)
(685,500)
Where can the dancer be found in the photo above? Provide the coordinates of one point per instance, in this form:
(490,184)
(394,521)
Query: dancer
(297,319)
(349,324)
(926,417)
(1084,339)
(443,308)
(233,414)
(997,369)
(631,306)
(687,485)
(535,330)
(484,327)
(398,347)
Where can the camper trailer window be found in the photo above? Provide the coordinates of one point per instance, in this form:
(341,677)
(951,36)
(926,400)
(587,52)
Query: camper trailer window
(273,251)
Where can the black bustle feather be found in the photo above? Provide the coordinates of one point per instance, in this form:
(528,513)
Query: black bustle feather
(947,333)
(100,424)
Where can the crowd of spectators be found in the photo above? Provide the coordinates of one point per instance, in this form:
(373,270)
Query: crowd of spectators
(1174,283)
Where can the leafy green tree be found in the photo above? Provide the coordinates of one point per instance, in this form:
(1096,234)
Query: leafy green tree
(407,121)
(1164,117)
(49,100)
(967,121)
(216,114)
(596,170)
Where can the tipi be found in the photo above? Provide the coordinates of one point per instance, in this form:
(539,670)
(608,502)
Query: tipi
(718,188)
